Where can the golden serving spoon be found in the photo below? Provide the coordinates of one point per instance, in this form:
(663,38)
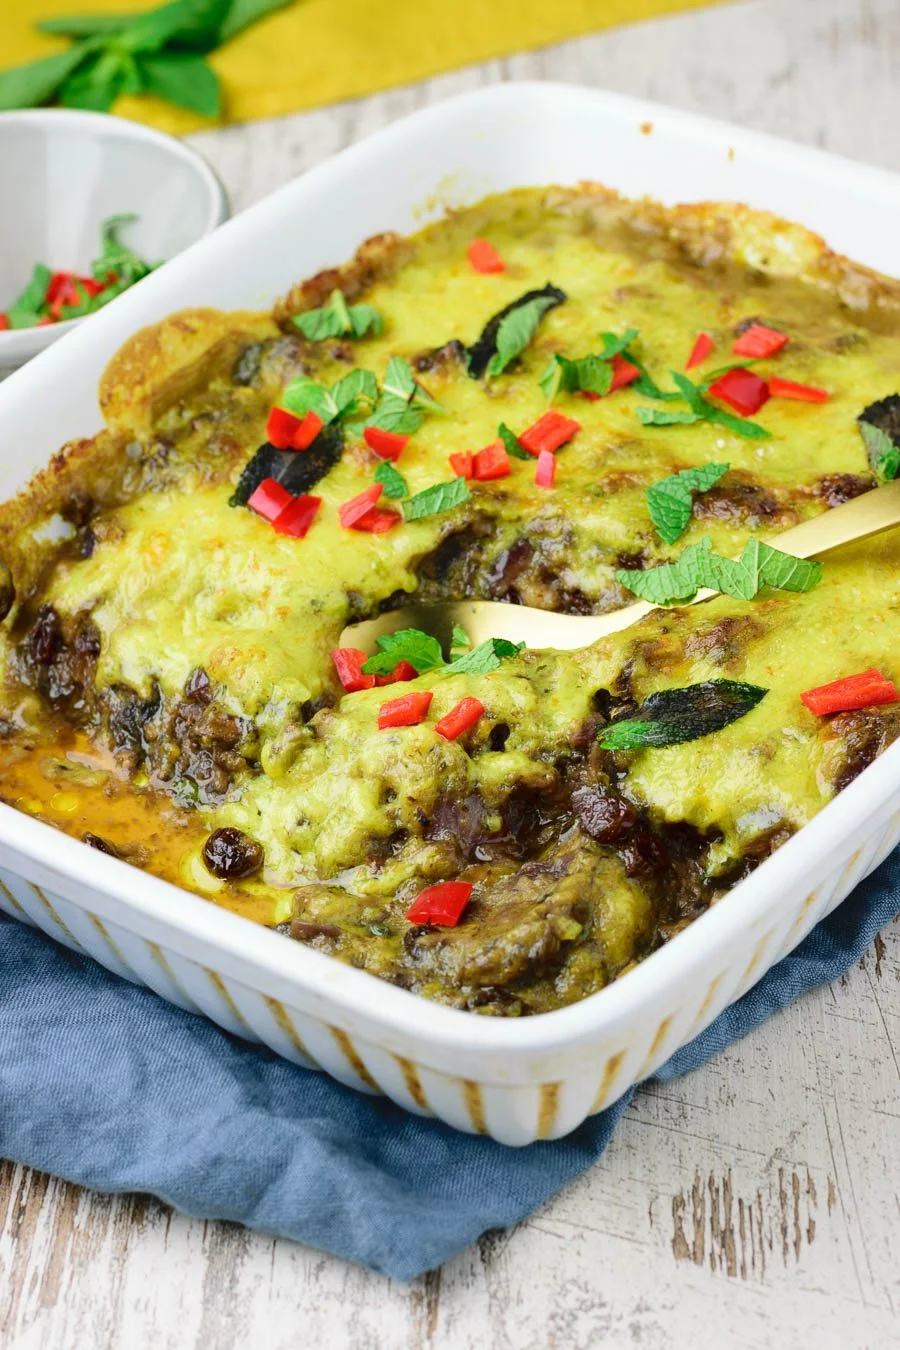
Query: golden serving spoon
(540,628)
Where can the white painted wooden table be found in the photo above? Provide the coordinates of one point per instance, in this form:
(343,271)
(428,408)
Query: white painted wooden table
(754,1203)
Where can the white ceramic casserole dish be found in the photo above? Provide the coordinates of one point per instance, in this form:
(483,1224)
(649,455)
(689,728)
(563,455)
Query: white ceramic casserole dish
(516,1080)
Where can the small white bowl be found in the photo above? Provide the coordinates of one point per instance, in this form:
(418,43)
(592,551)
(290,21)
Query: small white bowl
(62,173)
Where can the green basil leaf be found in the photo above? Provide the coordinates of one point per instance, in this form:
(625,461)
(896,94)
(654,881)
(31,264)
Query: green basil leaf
(511,442)
(674,716)
(243,13)
(36,82)
(670,501)
(395,484)
(434,501)
(183,79)
(484,658)
(884,455)
(420,649)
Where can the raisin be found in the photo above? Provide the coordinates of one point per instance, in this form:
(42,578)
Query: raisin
(605,816)
(197,687)
(230,854)
(100,844)
(45,637)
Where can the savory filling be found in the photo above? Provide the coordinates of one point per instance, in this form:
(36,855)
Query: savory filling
(556,399)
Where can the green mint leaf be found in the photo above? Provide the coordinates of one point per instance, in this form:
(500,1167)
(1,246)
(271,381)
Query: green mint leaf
(337,319)
(516,331)
(183,79)
(394,414)
(662,417)
(674,716)
(782,570)
(666,584)
(398,379)
(31,298)
(884,455)
(484,658)
(698,566)
(707,412)
(460,637)
(589,374)
(83,25)
(646,385)
(304,395)
(359,385)
(243,13)
(395,484)
(615,344)
(422,399)
(511,442)
(433,501)
(670,501)
(116,257)
(36,82)
(192,24)
(480,353)
(410,644)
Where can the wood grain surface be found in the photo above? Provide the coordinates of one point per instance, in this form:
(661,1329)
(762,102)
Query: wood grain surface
(754,1203)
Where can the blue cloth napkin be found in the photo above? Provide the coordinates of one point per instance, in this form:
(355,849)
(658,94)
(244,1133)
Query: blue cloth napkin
(107,1085)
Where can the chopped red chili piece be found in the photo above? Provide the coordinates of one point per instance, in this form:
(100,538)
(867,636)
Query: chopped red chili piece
(442,904)
(491,462)
(804,393)
(545,472)
(297,516)
(464,715)
(91,286)
(281,428)
(855,691)
(378,522)
(307,431)
(403,670)
(462,463)
(61,287)
(4,323)
(623,373)
(549,433)
(406,711)
(386,444)
(484,257)
(741,390)
(348,662)
(269,499)
(759,341)
(700,351)
(353,511)
(42,323)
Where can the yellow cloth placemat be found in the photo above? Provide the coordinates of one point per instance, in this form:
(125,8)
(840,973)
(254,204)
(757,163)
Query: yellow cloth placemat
(319,51)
